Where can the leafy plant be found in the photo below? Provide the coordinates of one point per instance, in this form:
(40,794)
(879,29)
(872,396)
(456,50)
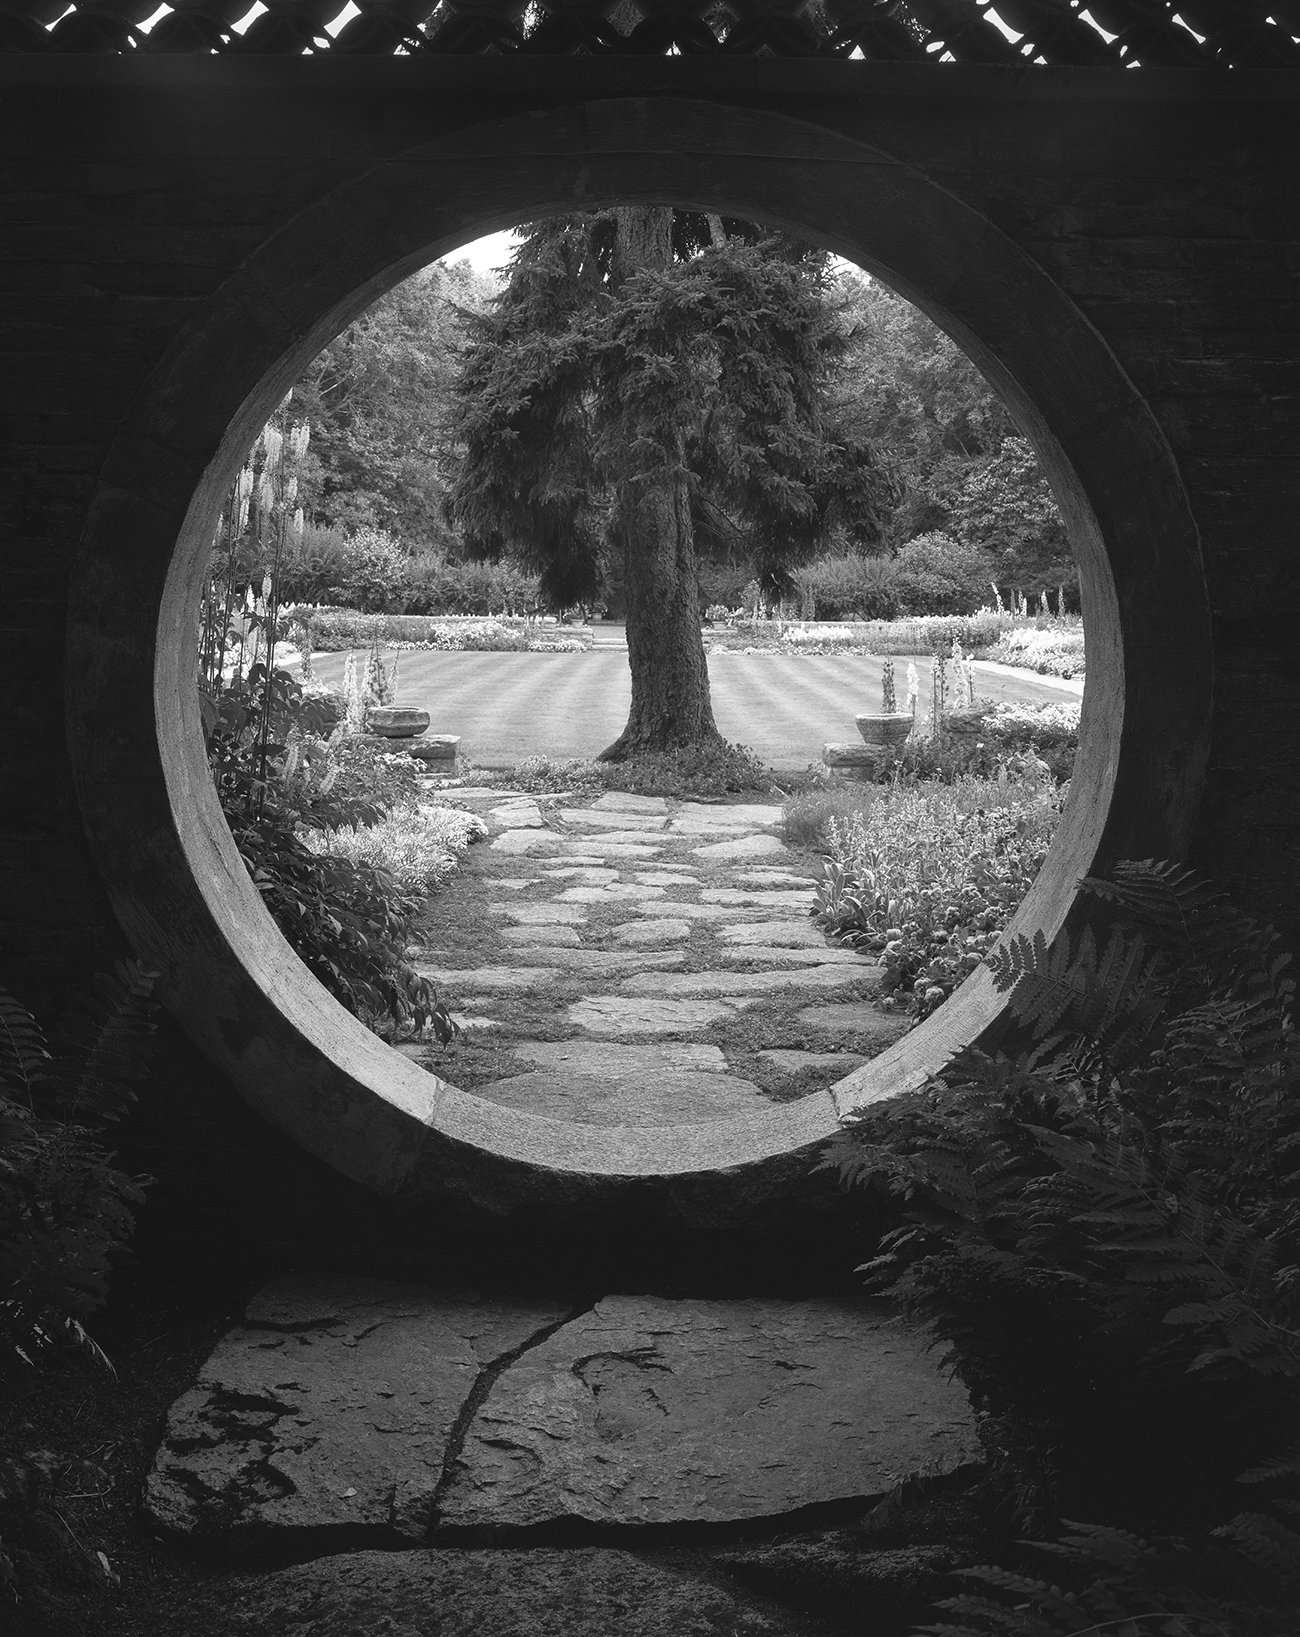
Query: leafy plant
(65,1210)
(1102,1222)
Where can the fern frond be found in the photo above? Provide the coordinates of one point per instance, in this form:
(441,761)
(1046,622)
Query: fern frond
(121,1048)
(24,1054)
(1285,1465)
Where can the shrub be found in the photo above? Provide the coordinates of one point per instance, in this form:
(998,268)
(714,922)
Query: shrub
(330,630)
(1102,1222)
(432,585)
(929,877)
(848,587)
(934,574)
(977,743)
(418,845)
(1055,650)
(365,570)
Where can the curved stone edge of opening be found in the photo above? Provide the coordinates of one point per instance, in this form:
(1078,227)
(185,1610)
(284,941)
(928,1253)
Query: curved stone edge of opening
(166,855)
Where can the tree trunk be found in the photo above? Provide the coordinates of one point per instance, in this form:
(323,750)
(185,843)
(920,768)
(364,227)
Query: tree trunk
(671,707)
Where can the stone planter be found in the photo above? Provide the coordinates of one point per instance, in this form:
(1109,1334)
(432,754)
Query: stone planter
(396,721)
(883,732)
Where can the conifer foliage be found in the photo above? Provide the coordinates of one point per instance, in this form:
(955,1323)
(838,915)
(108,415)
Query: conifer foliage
(647,388)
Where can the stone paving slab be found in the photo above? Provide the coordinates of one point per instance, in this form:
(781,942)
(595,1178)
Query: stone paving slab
(622,1014)
(330,1409)
(470,980)
(786,933)
(681,984)
(760,846)
(520,815)
(605,962)
(649,1411)
(667,878)
(546,913)
(756,814)
(614,1060)
(592,818)
(699,912)
(610,892)
(783,955)
(586,874)
(596,849)
(623,801)
(652,1097)
(582,1591)
(638,934)
(760,897)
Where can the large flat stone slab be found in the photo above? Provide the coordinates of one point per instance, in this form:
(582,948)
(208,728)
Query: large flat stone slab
(614,1061)
(596,849)
(586,875)
(329,1409)
(772,955)
(678,984)
(755,814)
(786,933)
(656,1096)
(773,878)
(760,846)
(648,1411)
(668,878)
(516,815)
(624,1014)
(475,980)
(581,1591)
(697,912)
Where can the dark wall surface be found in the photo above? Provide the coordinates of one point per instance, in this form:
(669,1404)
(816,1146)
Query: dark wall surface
(1164,204)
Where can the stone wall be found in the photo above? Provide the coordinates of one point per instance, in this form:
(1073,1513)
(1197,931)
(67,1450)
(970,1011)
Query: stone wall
(1164,204)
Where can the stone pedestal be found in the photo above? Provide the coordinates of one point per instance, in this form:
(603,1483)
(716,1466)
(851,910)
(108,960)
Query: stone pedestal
(438,750)
(848,761)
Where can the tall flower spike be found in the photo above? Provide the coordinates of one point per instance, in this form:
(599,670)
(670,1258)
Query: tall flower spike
(272,443)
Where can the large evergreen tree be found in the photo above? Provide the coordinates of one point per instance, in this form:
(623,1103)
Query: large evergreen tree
(648,384)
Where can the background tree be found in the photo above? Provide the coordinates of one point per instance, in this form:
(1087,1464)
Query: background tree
(964,469)
(378,401)
(650,384)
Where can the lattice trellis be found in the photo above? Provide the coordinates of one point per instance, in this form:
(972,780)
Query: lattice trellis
(1104,33)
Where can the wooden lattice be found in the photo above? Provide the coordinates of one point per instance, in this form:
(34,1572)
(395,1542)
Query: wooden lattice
(1104,33)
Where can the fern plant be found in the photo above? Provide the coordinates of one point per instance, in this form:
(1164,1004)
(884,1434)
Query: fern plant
(1102,1223)
(65,1209)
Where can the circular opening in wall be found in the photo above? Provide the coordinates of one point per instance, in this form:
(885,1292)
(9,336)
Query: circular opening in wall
(178,882)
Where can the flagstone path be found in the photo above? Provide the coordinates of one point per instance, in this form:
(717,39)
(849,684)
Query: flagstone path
(635,960)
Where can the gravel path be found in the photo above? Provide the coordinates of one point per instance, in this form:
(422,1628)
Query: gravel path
(506,707)
(639,961)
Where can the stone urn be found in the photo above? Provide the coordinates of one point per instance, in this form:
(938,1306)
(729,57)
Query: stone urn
(884,731)
(396,721)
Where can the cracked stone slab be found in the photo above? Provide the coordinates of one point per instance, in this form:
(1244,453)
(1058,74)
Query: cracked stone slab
(650,1411)
(471,980)
(657,1096)
(330,1408)
(639,934)
(596,849)
(622,1014)
(545,913)
(668,878)
(784,934)
(582,1591)
(760,846)
(614,1061)
(548,934)
(678,984)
